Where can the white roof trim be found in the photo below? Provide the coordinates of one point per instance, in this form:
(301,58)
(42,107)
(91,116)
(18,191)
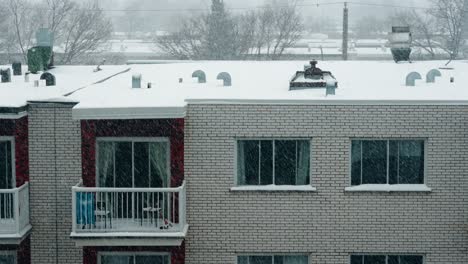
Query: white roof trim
(128,113)
(14,116)
(326,102)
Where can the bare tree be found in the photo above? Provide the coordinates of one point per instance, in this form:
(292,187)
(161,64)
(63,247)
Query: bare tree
(451,16)
(86,30)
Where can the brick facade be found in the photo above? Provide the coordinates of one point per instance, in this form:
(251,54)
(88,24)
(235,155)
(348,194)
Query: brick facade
(328,224)
(55,166)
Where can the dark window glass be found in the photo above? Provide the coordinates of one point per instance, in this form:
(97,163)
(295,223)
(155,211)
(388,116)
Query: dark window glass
(371,163)
(411,162)
(356,162)
(374,259)
(411,260)
(266,169)
(280,162)
(141,166)
(357,259)
(248,155)
(150,260)
(242,260)
(123,164)
(374,162)
(6,170)
(260,259)
(285,162)
(393,162)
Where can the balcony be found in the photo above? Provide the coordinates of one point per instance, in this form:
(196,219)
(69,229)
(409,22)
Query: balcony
(128,216)
(14,214)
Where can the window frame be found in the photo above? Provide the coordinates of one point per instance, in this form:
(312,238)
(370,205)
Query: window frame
(350,155)
(272,255)
(11,139)
(131,253)
(132,140)
(10,253)
(236,175)
(387,255)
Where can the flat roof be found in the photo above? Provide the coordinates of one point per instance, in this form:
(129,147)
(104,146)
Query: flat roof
(253,82)
(107,94)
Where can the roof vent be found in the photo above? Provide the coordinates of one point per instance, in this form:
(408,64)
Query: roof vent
(49,78)
(226,77)
(331,87)
(5,75)
(432,74)
(26,77)
(16,68)
(412,77)
(312,78)
(200,75)
(136,80)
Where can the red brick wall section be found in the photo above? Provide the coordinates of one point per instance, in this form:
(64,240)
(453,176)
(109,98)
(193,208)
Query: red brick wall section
(171,128)
(90,254)
(18,128)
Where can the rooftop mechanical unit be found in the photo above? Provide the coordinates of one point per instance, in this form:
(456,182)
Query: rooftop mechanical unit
(400,43)
(312,78)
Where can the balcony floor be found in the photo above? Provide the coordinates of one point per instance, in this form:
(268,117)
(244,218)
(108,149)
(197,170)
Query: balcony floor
(128,225)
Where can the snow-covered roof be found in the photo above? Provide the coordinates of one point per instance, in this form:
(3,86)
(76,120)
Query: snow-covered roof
(360,82)
(17,93)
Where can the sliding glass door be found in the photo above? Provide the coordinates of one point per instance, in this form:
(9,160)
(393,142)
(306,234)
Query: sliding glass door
(133,163)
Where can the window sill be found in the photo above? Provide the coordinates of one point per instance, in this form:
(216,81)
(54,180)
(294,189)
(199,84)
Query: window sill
(389,188)
(274,188)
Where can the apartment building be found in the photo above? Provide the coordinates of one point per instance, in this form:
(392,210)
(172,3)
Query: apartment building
(237,162)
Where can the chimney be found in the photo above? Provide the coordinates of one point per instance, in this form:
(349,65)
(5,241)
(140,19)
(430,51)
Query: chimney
(136,80)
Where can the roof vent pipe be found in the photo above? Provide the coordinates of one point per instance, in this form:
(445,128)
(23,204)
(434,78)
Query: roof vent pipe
(200,75)
(226,77)
(331,87)
(412,77)
(432,74)
(136,80)
(36,83)
(26,77)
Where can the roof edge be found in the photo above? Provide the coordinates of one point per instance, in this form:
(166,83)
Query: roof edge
(325,102)
(128,113)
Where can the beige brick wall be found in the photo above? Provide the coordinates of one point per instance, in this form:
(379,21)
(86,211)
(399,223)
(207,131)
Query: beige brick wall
(328,224)
(55,166)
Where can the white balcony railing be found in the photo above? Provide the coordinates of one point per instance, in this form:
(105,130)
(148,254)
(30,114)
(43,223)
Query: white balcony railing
(128,210)
(14,210)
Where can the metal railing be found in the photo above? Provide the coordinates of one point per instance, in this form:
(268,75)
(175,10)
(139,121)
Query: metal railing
(101,209)
(14,209)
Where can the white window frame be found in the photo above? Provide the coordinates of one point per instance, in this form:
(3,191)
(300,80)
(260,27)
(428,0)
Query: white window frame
(388,255)
(132,253)
(10,253)
(386,187)
(133,140)
(301,188)
(272,255)
(11,139)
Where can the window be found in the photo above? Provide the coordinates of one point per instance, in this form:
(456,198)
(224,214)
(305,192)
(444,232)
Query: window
(268,259)
(6,168)
(133,163)
(129,258)
(7,257)
(279,162)
(387,162)
(384,259)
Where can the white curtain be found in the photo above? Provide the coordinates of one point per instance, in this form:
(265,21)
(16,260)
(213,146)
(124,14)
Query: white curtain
(303,161)
(240,163)
(106,163)
(159,161)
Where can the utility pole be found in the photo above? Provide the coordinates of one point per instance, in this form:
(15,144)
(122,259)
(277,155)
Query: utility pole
(345,32)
